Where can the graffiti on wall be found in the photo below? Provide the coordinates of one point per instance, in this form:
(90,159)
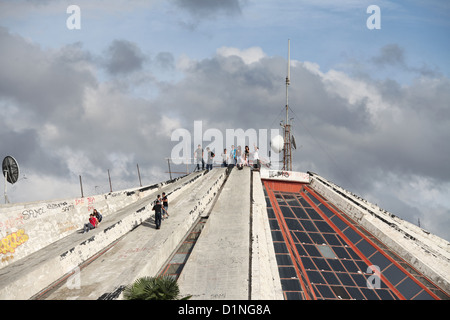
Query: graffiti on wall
(89,201)
(12,241)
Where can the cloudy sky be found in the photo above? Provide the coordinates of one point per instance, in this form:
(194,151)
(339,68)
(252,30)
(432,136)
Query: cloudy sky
(370,107)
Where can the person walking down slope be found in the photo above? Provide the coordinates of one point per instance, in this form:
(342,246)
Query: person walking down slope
(157,209)
(165,204)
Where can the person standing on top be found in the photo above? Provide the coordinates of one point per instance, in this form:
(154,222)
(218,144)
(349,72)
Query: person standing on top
(198,156)
(224,158)
(209,163)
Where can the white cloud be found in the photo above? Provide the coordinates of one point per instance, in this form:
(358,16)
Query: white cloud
(249,56)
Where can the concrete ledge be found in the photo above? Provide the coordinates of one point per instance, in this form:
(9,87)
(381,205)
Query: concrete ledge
(266,283)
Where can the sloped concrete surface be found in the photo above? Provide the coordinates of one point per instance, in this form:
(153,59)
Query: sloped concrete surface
(27,276)
(144,250)
(218,267)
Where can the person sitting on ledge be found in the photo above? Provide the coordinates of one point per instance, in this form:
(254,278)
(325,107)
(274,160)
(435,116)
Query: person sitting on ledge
(93,222)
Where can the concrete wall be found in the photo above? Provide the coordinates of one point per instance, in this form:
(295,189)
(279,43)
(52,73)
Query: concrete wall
(426,252)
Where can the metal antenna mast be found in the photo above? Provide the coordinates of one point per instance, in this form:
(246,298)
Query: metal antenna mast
(287,154)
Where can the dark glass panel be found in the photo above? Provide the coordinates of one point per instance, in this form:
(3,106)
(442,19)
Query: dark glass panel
(317,238)
(330,278)
(315,277)
(287,213)
(274,224)
(326,211)
(408,288)
(313,214)
(370,294)
(352,235)
(359,279)
(316,201)
(312,250)
(277,236)
(339,223)
(380,260)
(290,285)
(352,253)
(304,203)
(289,197)
(280,247)
(355,293)
(341,252)
(307,263)
(283,260)
(287,272)
(293,295)
(345,279)
(326,292)
(394,274)
(336,265)
(340,292)
(323,226)
(423,296)
(366,248)
(363,266)
(303,237)
(300,250)
(293,224)
(331,239)
(385,294)
(300,213)
(321,264)
(308,225)
(350,265)
(271,213)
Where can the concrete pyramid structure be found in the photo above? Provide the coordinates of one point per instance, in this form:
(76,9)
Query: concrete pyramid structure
(231,234)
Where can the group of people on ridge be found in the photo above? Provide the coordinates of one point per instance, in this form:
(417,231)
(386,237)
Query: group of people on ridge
(160,206)
(94,220)
(235,157)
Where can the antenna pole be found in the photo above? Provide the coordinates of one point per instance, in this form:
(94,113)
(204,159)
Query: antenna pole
(287,157)
(6,178)
(81,186)
(110,185)
(139,175)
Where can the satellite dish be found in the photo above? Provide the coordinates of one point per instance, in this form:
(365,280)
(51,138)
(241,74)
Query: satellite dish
(10,169)
(293,143)
(277,143)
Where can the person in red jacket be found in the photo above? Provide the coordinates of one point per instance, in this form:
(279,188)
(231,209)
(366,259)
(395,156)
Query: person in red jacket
(93,222)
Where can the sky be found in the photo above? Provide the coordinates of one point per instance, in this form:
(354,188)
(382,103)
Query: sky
(370,107)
